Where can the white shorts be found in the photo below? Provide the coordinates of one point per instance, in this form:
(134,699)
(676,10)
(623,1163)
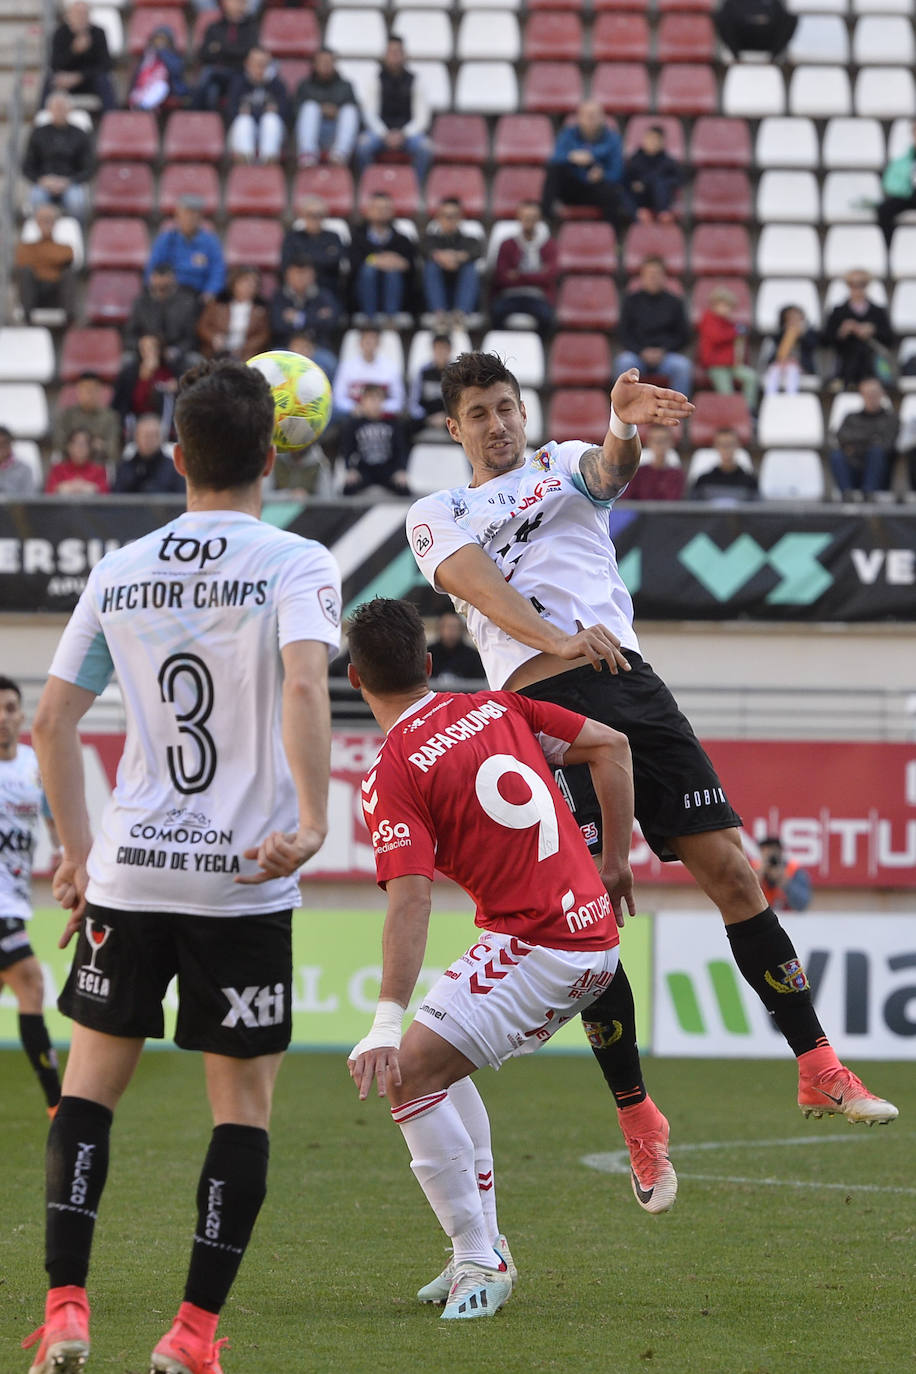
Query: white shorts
(505,997)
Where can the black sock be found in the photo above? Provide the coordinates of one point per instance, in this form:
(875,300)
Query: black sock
(767,960)
(233,1184)
(42,1056)
(76,1165)
(610,1024)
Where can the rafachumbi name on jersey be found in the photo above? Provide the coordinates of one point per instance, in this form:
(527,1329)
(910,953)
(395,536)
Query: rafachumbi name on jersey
(203,594)
(436,745)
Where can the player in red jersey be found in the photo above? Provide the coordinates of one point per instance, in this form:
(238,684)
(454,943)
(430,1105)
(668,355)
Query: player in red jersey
(463,784)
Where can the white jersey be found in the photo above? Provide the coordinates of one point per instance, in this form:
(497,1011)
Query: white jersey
(21,800)
(192,618)
(549,538)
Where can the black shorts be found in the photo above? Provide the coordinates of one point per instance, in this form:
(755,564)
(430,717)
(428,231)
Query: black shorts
(14,941)
(677,791)
(234,978)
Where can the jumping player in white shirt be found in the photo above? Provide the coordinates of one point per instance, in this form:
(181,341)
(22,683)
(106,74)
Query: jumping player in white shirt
(462,785)
(524,552)
(21,803)
(219,628)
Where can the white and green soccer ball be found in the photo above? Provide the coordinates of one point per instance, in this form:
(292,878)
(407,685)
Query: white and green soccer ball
(302,397)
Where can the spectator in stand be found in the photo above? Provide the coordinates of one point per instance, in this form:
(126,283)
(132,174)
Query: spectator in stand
(721,346)
(78,473)
(786,887)
(80,63)
(304,342)
(44,268)
(170,312)
(525,277)
(328,118)
(145,384)
(899,187)
(372,446)
(89,412)
(861,460)
(300,303)
(159,81)
(382,265)
(425,405)
(653,177)
(194,254)
(455,661)
(729,480)
(586,168)
(258,110)
(17,480)
(308,237)
(755,26)
(859,330)
(654,331)
(59,160)
(450,278)
(396,114)
(364,367)
(660,476)
(145,468)
(788,354)
(236,324)
(224,47)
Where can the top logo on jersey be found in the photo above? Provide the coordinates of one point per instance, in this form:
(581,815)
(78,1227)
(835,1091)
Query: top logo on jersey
(329,602)
(180,548)
(422,539)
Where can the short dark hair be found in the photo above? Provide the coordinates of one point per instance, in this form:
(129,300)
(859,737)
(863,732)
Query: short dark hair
(225,421)
(8,433)
(8,685)
(656,129)
(89,376)
(474,369)
(387,645)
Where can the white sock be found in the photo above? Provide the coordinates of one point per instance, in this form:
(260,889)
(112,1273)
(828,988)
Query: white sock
(470,1106)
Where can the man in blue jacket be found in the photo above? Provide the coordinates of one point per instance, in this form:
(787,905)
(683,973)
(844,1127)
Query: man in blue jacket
(587,167)
(194,254)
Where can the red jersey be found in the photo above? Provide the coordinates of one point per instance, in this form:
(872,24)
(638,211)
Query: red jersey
(463,786)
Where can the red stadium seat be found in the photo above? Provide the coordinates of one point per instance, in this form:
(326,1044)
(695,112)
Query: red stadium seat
(290,32)
(622,87)
(67,395)
(665,241)
(187,179)
(256,191)
(90,350)
(586,248)
(719,142)
(580,360)
(715,412)
(704,286)
(693,6)
(687,90)
(292,70)
(123,188)
(602,6)
(202,22)
(127,136)
(620,37)
(578,414)
(720,248)
(685,38)
(118,244)
(460,138)
(553,36)
(399,181)
(333,184)
(514,184)
(194,136)
(555,5)
(464,183)
(587,303)
(552,88)
(110,295)
(522,138)
(674,134)
(722,194)
(145,21)
(254,242)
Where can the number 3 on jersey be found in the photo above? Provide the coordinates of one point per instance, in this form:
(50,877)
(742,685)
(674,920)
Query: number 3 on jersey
(179,673)
(538,810)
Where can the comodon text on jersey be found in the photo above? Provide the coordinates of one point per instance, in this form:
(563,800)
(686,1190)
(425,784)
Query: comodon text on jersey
(140,596)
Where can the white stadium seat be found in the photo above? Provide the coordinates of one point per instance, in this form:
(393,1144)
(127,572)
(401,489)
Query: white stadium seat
(791,474)
(109,21)
(750,92)
(882,6)
(900,138)
(26,354)
(819,6)
(522,350)
(436,83)
(884,91)
(417,4)
(908,412)
(360,71)
(854,142)
(28,452)
(421,348)
(502,229)
(390,346)
(903,307)
(905,354)
(66,230)
(820,38)
(24,409)
(488,34)
(534,425)
(776,292)
(820,92)
(356,33)
(426,33)
(842,405)
(788,250)
(848,246)
(850,197)
(436,467)
(786,142)
(883,38)
(837,291)
(705,459)
(787,196)
(790,422)
(903,249)
(487,88)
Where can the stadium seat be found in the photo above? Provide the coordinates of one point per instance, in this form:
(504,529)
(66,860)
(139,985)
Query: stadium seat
(722,194)
(819,6)
(28,452)
(123,188)
(390,346)
(848,246)
(846,403)
(717,142)
(703,288)
(436,82)
(712,412)
(486,34)
(109,21)
(689,6)
(850,197)
(118,244)
(553,36)
(460,138)
(674,134)
(425,34)
(854,142)
(487,88)
(751,92)
(790,421)
(551,88)
(254,241)
(786,142)
(906,353)
(189,178)
(26,354)
(620,37)
(622,88)
(464,183)
(776,292)
(193,136)
(580,360)
(24,408)
(127,136)
(522,350)
(66,230)
(514,184)
(587,303)
(720,248)
(110,295)
(356,33)
(900,138)
(526,138)
(883,38)
(90,350)
(586,247)
(820,92)
(837,291)
(256,191)
(578,413)
(791,474)
(144,22)
(819,38)
(704,459)
(903,307)
(665,241)
(685,89)
(685,38)
(436,467)
(398,181)
(293,70)
(881,7)
(534,416)
(788,250)
(788,197)
(421,348)
(884,91)
(333,184)
(903,252)
(290,32)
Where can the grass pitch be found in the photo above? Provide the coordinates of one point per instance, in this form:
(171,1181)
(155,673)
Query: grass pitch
(791,1246)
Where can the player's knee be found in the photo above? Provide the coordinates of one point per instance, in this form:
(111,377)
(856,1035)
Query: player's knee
(29,985)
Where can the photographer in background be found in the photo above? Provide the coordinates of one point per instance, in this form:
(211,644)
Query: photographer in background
(785,886)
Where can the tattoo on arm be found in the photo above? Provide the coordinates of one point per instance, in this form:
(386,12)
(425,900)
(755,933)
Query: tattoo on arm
(603,479)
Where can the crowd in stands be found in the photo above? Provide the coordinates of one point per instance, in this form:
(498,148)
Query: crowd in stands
(351,281)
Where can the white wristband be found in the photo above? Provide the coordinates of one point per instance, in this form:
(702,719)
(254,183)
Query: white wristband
(385,1031)
(619,429)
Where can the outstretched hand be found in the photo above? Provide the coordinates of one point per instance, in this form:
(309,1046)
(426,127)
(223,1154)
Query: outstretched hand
(638,403)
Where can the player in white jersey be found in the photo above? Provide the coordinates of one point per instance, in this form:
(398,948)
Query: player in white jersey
(524,550)
(21,803)
(219,628)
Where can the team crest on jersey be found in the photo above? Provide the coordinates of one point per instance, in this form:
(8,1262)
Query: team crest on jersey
(92,980)
(422,539)
(542,461)
(794,978)
(459,508)
(329,602)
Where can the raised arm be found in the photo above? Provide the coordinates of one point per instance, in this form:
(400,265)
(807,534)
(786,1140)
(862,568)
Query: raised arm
(607,753)
(607,470)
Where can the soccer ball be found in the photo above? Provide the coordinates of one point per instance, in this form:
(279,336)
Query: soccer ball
(302,397)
